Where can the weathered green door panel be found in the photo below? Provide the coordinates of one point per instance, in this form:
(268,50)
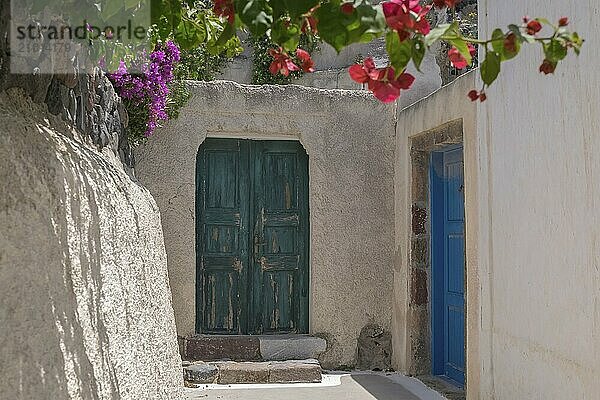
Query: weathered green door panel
(252,237)
(280,273)
(221,236)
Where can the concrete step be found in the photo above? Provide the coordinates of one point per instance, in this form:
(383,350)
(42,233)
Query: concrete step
(230,372)
(251,347)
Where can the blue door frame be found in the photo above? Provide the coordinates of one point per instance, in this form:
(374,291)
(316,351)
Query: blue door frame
(448,264)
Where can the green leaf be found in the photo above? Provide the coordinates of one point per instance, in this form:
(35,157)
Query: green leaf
(190,34)
(577,42)
(418,52)
(255,14)
(298,7)
(166,14)
(463,48)
(436,33)
(555,51)
(340,30)
(285,34)
(498,40)
(331,28)
(399,52)
(227,34)
(490,67)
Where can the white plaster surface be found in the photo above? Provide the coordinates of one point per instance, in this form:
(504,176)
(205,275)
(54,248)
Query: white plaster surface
(349,138)
(539,246)
(85,306)
(331,69)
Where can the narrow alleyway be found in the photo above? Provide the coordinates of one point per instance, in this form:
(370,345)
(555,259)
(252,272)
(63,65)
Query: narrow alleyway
(335,386)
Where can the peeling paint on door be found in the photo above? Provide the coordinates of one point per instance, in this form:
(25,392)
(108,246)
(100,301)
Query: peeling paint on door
(264,186)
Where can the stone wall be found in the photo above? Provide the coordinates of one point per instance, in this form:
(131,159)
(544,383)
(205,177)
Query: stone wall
(349,138)
(85,101)
(85,306)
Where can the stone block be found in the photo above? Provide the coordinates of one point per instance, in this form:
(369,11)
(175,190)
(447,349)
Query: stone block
(216,348)
(200,373)
(294,372)
(418,287)
(419,219)
(374,348)
(291,347)
(244,372)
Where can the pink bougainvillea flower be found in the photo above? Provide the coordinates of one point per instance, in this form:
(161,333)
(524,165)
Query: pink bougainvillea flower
(445,3)
(510,43)
(308,65)
(457,60)
(473,95)
(533,27)
(282,63)
(406,16)
(387,88)
(548,67)
(309,25)
(365,72)
(381,81)
(224,8)
(564,21)
(347,8)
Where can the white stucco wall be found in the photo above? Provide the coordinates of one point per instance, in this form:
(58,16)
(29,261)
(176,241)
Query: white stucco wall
(85,306)
(539,140)
(331,69)
(349,138)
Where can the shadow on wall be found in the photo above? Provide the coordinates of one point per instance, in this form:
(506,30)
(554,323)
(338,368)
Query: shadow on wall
(85,307)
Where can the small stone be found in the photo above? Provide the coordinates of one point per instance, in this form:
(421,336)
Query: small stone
(374,348)
(200,373)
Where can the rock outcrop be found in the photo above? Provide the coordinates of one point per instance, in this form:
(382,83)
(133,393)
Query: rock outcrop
(85,304)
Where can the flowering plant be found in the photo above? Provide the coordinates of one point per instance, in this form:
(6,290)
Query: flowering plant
(146,94)
(407,33)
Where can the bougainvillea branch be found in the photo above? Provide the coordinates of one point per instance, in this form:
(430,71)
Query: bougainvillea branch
(340,23)
(145,94)
(407,33)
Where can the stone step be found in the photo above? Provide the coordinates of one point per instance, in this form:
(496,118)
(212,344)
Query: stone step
(251,347)
(231,372)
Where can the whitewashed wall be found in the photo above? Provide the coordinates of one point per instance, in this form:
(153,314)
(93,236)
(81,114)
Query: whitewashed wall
(539,240)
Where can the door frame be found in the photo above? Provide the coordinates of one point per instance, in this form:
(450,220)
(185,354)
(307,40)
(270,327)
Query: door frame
(246,321)
(437,213)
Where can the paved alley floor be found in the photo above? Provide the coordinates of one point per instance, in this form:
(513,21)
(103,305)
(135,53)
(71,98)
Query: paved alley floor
(335,386)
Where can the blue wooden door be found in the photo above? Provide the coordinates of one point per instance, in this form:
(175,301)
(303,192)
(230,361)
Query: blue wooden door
(251,237)
(448,264)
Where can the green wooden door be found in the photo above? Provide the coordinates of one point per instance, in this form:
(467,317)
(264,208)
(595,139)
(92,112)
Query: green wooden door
(251,237)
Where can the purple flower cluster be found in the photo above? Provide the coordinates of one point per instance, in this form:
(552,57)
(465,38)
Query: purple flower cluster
(148,89)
